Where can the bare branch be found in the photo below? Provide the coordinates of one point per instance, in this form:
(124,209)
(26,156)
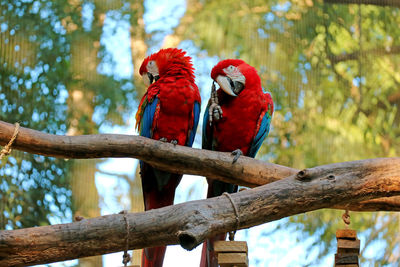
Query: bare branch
(355,55)
(178,159)
(392,3)
(190,223)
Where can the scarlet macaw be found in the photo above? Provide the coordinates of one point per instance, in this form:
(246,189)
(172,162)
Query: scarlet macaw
(239,125)
(169,111)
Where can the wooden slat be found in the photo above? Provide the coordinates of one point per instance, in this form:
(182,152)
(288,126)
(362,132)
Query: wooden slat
(233,259)
(348,246)
(230,246)
(346,234)
(347,258)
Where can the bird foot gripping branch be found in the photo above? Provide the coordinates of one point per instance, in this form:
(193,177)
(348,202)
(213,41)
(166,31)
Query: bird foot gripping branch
(237,153)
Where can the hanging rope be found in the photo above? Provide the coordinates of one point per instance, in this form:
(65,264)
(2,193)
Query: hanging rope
(7,148)
(346,218)
(126,257)
(232,233)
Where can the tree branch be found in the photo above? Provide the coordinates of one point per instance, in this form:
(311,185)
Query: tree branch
(178,159)
(355,55)
(393,3)
(190,223)
(165,156)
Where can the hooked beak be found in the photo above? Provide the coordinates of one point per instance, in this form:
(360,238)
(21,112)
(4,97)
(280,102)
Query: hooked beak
(153,78)
(149,78)
(229,86)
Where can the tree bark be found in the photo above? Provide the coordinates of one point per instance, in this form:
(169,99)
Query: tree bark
(165,156)
(190,223)
(393,3)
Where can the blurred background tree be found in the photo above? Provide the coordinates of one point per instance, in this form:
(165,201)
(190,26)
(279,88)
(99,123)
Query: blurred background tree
(331,66)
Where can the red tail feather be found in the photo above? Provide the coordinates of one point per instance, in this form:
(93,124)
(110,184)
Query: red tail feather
(208,256)
(153,257)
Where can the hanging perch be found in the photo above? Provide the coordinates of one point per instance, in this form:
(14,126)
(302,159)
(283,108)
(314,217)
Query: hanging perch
(348,248)
(232,253)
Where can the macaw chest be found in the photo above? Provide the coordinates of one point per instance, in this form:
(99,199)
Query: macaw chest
(176,100)
(237,127)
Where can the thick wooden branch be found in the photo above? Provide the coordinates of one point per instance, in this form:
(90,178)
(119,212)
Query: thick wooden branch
(190,223)
(392,3)
(179,159)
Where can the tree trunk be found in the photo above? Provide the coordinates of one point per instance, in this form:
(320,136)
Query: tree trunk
(84,63)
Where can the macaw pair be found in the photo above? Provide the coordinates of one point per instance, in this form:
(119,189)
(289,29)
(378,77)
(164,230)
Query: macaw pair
(237,120)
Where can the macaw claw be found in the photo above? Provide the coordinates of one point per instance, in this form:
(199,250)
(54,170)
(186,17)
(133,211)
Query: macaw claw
(163,139)
(174,142)
(237,153)
(214,111)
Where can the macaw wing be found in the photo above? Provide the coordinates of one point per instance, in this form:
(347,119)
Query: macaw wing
(206,140)
(196,116)
(261,134)
(146,120)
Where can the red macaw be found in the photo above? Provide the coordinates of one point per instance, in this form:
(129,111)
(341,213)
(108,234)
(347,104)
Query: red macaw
(169,111)
(238,124)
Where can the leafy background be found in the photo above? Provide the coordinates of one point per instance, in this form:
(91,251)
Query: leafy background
(70,67)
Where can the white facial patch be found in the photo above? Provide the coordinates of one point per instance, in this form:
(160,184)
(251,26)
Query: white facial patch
(146,79)
(152,68)
(235,74)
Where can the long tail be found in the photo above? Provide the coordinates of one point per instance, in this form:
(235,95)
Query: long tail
(158,191)
(208,256)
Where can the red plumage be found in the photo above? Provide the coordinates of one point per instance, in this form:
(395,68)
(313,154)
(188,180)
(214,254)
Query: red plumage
(244,124)
(169,111)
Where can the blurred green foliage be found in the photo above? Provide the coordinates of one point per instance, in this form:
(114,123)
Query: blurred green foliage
(37,78)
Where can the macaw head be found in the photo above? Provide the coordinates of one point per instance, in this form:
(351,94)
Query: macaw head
(166,61)
(235,76)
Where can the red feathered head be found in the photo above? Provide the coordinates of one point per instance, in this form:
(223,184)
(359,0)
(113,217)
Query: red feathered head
(166,62)
(235,75)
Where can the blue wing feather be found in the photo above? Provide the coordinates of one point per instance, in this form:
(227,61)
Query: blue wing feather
(206,140)
(147,119)
(196,112)
(260,136)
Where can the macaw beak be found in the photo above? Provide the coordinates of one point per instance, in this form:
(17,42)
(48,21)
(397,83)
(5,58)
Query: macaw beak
(149,78)
(229,86)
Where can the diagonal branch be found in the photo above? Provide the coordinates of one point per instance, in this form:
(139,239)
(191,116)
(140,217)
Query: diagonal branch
(178,159)
(374,51)
(190,223)
(393,3)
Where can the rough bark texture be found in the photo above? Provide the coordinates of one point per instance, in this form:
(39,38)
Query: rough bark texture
(179,159)
(190,223)
(393,3)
